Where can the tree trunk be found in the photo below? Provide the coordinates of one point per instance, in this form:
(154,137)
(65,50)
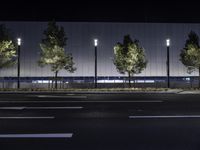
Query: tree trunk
(129,79)
(60,83)
(3,83)
(49,83)
(56,79)
(52,82)
(199,77)
(63,83)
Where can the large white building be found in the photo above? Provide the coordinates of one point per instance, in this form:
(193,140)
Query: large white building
(152,37)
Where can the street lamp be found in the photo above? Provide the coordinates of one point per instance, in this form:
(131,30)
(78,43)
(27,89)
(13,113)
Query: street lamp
(18,68)
(95,46)
(168,66)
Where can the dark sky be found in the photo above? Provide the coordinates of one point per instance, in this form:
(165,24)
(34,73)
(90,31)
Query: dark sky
(103,11)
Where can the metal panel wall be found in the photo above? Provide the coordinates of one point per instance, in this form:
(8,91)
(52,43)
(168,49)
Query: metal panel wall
(80,35)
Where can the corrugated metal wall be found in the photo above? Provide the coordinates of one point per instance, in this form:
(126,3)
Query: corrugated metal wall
(152,37)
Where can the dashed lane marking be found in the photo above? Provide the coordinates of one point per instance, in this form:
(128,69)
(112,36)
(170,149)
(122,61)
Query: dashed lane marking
(48,135)
(14,117)
(167,116)
(22,108)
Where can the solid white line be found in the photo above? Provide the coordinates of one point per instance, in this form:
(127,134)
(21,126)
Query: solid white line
(176,116)
(54,96)
(48,135)
(22,108)
(28,101)
(53,107)
(189,92)
(12,108)
(46,117)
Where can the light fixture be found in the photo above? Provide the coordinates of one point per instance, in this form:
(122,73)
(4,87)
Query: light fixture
(95,42)
(168,42)
(18,41)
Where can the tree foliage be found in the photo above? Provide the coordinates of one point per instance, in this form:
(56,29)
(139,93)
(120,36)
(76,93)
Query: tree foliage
(129,57)
(190,54)
(53,51)
(54,35)
(7,48)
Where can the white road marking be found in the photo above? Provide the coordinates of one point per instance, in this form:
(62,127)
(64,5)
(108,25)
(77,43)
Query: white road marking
(188,92)
(71,94)
(12,108)
(22,108)
(45,117)
(167,116)
(28,101)
(53,107)
(48,135)
(57,96)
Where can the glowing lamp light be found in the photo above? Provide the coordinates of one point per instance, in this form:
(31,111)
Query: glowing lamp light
(18,41)
(95,42)
(168,42)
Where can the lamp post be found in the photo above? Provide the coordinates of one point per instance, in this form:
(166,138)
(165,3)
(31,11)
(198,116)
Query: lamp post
(95,48)
(168,66)
(18,63)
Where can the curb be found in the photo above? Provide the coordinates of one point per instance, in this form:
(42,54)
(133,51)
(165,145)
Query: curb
(90,92)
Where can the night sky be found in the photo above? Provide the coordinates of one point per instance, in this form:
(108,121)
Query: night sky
(102,11)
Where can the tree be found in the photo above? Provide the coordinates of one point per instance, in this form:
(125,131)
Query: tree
(7,48)
(190,54)
(129,57)
(53,50)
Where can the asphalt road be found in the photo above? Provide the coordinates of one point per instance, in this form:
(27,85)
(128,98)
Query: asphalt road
(100,121)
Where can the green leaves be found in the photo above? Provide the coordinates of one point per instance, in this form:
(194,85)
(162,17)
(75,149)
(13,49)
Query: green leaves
(54,35)
(190,54)
(129,57)
(52,49)
(7,48)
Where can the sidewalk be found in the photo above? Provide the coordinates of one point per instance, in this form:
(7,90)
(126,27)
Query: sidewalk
(169,91)
(189,92)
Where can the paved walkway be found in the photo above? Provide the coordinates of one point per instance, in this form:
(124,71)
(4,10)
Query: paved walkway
(170,91)
(189,92)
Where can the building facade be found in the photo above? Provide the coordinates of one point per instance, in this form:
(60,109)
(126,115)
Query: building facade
(152,37)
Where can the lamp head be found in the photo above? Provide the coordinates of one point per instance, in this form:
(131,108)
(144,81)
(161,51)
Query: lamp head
(168,42)
(18,41)
(95,42)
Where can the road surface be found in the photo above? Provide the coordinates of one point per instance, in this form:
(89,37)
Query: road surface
(100,121)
